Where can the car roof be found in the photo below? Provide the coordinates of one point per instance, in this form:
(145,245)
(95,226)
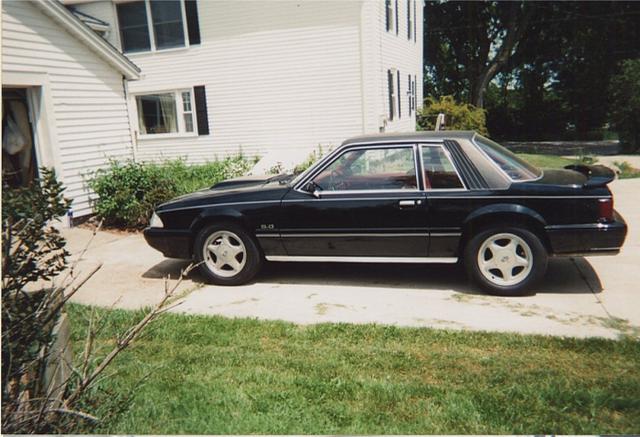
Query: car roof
(411,136)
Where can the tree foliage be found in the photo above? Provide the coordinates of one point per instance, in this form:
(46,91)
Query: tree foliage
(625,104)
(554,82)
(457,116)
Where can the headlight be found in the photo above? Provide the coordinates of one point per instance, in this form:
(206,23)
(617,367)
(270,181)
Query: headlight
(156,222)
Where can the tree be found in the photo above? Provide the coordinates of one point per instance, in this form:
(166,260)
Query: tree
(468,43)
(625,104)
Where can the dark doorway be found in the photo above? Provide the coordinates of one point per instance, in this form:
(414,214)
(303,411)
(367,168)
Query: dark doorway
(19,164)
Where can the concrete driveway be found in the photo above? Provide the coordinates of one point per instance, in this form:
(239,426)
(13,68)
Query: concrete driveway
(580,297)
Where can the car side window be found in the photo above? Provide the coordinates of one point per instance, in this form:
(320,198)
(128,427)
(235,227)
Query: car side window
(439,172)
(389,168)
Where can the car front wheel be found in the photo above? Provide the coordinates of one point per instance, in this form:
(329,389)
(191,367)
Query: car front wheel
(506,261)
(227,254)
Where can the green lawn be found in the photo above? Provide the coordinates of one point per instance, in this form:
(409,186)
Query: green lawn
(211,375)
(547,161)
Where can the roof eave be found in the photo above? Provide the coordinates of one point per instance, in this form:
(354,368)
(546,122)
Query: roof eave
(80,30)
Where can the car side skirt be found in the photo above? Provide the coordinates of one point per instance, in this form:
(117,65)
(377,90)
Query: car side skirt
(362,259)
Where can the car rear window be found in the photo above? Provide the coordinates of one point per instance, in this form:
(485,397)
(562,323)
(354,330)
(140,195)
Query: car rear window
(515,167)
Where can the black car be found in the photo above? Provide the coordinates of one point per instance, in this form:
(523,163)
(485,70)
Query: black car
(427,197)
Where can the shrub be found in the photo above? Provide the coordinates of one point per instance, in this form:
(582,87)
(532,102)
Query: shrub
(128,192)
(458,116)
(32,252)
(311,159)
(625,105)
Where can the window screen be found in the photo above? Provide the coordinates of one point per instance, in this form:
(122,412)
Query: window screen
(134,32)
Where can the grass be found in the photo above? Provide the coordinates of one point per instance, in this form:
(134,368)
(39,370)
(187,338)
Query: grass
(626,171)
(547,161)
(211,375)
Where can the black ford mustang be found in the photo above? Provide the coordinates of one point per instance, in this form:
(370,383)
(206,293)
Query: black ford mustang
(428,197)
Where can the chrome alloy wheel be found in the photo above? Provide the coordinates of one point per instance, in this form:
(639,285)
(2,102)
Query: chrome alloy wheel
(505,259)
(224,254)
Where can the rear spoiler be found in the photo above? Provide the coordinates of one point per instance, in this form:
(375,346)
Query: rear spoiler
(597,175)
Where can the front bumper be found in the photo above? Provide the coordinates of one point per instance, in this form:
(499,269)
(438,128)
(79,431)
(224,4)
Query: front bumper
(588,239)
(172,243)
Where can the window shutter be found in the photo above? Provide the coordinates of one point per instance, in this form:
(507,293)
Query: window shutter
(193,26)
(396,14)
(387,11)
(202,116)
(399,99)
(390,92)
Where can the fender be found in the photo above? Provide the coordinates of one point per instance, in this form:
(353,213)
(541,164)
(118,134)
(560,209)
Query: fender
(501,208)
(217,213)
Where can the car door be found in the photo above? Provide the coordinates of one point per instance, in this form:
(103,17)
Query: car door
(366,202)
(447,200)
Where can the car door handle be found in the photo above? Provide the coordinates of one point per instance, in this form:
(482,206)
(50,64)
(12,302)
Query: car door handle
(408,203)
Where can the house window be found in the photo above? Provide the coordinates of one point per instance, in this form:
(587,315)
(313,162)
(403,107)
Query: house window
(172,112)
(168,29)
(187,111)
(398,94)
(390,20)
(134,30)
(415,21)
(392,94)
(410,95)
(409,20)
(157,25)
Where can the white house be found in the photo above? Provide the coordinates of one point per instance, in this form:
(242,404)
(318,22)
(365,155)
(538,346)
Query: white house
(63,97)
(220,75)
(202,79)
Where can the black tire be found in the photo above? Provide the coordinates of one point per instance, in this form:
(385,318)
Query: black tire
(252,255)
(537,254)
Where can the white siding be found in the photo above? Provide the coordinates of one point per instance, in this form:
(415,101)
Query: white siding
(282,74)
(391,50)
(87,95)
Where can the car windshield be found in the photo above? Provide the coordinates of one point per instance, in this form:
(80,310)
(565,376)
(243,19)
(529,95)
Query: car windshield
(515,167)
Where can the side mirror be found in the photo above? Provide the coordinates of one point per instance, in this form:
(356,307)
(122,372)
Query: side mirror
(312,188)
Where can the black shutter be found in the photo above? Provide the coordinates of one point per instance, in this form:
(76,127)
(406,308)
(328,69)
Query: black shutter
(396,14)
(390,92)
(193,26)
(387,9)
(399,99)
(201,110)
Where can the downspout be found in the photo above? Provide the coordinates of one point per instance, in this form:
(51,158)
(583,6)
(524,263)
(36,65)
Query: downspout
(132,130)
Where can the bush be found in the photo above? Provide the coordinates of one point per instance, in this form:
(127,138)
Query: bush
(128,192)
(625,105)
(32,253)
(458,116)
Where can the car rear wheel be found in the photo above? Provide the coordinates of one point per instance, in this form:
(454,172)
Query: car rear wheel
(506,261)
(227,254)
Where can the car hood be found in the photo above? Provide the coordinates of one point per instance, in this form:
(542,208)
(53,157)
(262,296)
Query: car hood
(241,190)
